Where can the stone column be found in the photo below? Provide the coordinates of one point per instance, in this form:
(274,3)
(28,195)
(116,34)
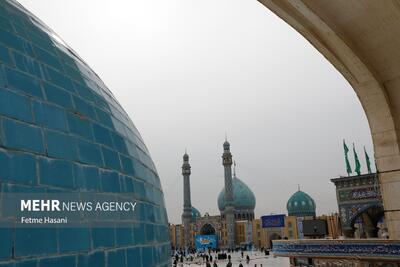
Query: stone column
(187,204)
(229,208)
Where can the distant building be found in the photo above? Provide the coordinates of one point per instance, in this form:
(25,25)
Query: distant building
(233,227)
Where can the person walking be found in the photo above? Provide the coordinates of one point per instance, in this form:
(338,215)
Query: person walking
(229,264)
(240,265)
(215,264)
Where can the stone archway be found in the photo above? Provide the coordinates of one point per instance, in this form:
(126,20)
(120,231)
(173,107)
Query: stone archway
(207,229)
(369,217)
(361,39)
(272,237)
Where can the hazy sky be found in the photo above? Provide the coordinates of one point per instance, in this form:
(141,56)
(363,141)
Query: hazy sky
(188,71)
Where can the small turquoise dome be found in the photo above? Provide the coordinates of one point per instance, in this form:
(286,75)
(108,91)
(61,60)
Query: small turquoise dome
(195,213)
(300,204)
(243,197)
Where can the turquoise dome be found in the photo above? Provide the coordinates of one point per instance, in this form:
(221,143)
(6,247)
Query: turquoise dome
(300,204)
(243,197)
(63,132)
(195,213)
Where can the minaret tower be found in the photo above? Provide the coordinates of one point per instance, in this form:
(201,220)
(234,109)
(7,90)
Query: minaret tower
(187,204)
(229,208)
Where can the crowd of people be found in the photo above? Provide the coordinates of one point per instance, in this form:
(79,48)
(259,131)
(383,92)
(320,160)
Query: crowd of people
(210,257)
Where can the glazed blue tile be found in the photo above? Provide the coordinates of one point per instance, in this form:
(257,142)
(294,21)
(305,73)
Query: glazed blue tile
(3,80)
(47,58)
(15,105)
(124,236)
(149,232)
(66,261)
(104,118)
(148,257)
(100,102)
(40,39)
(28,48)
(60,145)
(59,79)
(116,258)
(23,82)
(6,242)
(49,116)
(83,91)
(139,234)
(17,167)
(20,31)
(89,153)
(126,183)
(119,143)
(27,64)
(110,181)
(22,136)
(87,177)
(134,257)
(127,165)
(79,126)
(10,39)
(5,24)
(96,259)
(103,237)
(74,239)
(84,107)
(56,172)
(111,159)
(102,135)
(27,263)
(73,72)
(5,55)
(35,241)
(14,188)
(139,189)
(57,95)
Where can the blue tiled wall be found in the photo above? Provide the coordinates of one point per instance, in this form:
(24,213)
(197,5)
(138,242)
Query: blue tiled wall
(61,129)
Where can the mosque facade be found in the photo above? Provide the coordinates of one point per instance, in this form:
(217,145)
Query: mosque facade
(236,203)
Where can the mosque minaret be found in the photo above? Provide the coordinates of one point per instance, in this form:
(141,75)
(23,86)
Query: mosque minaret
(187,205)
(229,207)
(236,203)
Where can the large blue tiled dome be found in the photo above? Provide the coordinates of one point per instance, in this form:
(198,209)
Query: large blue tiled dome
(62,130)
(300,204)
(243,197)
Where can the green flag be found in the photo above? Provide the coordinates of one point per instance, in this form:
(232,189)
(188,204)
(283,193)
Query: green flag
(367,160)
(346,151)
(357,168)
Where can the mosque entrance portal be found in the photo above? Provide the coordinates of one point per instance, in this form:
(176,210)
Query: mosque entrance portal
(207,229)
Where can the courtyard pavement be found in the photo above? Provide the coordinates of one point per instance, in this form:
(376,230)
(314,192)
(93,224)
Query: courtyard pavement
(256,257)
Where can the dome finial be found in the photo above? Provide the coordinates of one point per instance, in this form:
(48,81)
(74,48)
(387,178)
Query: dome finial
(185,156)
(298,187)
(226,143)
(234,169)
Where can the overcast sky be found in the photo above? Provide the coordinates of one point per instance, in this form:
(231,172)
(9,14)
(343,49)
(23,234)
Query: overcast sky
(188,71)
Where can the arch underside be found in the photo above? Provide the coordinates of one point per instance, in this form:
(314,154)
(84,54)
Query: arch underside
(207,229)
(374,212)
(361,39)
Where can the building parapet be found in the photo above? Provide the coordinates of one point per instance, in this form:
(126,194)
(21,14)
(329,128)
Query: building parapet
(359,249)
